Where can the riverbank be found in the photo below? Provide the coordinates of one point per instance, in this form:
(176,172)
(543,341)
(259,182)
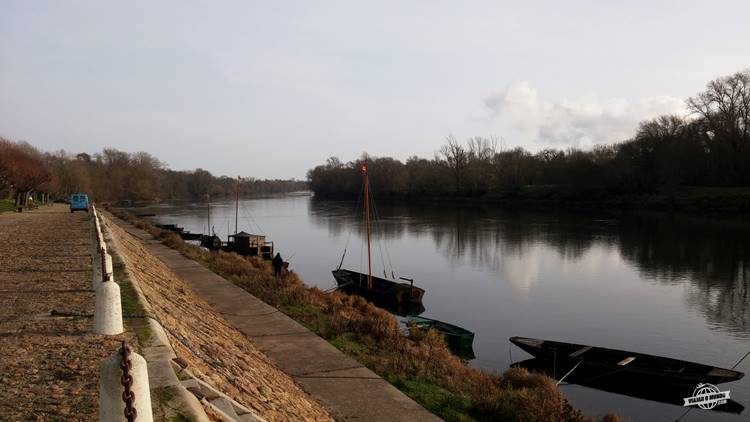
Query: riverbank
(7,205)
(209,347)
(422,366)
(346,388)
(685,198)
(691,199)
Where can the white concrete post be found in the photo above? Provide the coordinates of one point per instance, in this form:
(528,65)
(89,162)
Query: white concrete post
(111,405)
(108,309)
(108,265)
(93,238)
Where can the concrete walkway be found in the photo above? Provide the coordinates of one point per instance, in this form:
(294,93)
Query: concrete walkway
(349,390)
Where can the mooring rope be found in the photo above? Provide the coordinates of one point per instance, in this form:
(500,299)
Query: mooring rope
(569,372)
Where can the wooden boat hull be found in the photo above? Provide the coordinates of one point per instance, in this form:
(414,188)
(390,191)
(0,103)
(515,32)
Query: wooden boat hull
(382,291)
(458,338)
(634,365)
(190,236)
(625,385)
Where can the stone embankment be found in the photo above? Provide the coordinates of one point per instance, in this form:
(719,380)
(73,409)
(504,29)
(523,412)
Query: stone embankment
(193,301)
(214,351)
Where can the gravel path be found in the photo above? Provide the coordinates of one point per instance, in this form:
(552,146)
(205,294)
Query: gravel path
(49,366)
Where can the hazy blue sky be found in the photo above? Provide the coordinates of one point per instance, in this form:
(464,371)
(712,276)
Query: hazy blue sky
(270,89)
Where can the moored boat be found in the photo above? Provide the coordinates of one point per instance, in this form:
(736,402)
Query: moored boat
(241,242)
(377,290)
(652,390)
(186,235)
(608,362)
(458,338)
(381,291)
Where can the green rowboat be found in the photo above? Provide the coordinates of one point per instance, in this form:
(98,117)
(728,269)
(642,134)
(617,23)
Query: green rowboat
(457,338)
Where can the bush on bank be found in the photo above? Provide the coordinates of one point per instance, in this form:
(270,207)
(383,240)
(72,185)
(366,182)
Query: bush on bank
(421,365)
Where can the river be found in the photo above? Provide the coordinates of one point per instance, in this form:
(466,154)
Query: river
(661,284)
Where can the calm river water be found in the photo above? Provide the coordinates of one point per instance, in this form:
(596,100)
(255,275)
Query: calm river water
(666,285)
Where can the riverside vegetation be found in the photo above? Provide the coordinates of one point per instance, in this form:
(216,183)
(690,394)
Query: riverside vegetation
(694,161)
(421,365)
(114,175)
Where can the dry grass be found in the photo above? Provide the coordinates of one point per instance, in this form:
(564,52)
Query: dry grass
(421,365)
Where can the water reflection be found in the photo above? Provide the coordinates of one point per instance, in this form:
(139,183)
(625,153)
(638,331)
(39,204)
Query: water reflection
(712,258)
(665,285)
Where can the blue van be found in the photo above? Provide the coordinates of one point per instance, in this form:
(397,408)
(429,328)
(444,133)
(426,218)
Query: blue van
(79,201)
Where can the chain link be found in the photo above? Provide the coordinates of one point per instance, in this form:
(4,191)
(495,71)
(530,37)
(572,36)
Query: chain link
(128,397)
(105,275)
(102,253)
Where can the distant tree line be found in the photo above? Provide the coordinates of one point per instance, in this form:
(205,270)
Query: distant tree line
(114,175)
(709,147)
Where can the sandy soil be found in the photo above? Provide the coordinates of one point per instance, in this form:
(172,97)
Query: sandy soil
(49,366)
(217,352)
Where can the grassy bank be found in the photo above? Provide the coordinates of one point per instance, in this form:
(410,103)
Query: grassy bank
(686,198)
(7,205)
(419,365)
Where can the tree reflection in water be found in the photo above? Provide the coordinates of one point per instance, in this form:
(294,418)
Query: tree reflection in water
(711,255)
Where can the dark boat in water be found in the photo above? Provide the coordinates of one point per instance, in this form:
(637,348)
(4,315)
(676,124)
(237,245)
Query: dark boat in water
(380,291)
(626,365)
(457,338)
(185,235)
(170,227)
(648,389)
(241,242)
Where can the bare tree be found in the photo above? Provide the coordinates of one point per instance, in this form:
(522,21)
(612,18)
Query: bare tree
(457,160)
(725,104)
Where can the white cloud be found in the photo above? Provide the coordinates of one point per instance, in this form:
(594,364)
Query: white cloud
(580,123)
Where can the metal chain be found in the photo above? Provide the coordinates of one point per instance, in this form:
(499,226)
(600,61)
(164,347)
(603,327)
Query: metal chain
(102,253)
(127,382)
(105,275)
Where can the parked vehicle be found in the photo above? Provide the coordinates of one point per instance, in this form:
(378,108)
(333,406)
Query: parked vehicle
(79,201)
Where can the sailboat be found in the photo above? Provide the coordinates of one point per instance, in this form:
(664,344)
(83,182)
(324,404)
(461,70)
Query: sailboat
(210,241)
(241,242)
(381,291)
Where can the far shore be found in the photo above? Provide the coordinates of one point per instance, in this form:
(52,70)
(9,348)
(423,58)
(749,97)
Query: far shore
(697,199)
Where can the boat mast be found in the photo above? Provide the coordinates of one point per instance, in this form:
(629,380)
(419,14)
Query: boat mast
(367,219)
(237,205)
(208,213)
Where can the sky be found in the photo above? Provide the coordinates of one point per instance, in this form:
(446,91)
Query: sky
(271,89)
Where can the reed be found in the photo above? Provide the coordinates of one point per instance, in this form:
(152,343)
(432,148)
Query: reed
(420,364)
